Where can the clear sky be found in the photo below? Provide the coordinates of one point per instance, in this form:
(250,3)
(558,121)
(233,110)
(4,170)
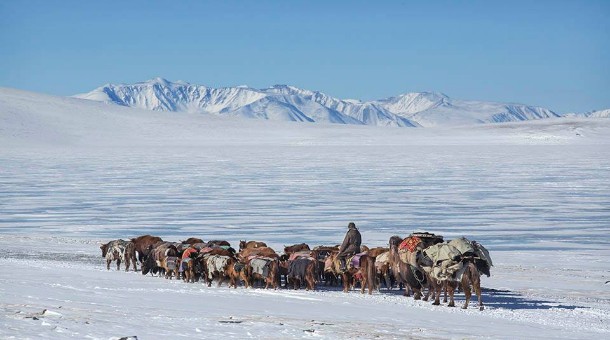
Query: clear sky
(554,54)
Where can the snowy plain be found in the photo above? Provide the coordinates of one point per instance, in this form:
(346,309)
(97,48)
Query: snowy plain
(74,173)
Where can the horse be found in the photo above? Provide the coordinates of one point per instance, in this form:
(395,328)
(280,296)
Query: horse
(162,258)
(192,240)
(142,244)
(408,274)
(295,248)
(470,277)
(218,243)
(362,269)
(382,269)
(322,254)
(263,268)
(302,270)
(261,251)
(119,250)
(251,244)
(222,267)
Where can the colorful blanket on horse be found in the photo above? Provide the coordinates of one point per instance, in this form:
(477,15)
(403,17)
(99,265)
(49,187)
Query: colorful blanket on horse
(184,264)
(354,261)
(410,243)
(260,265)
(188,252)
(299,254)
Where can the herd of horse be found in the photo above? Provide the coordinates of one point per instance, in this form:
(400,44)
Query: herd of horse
(423,264)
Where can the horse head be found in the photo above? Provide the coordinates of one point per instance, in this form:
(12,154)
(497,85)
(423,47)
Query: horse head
(104,248)
(395,241)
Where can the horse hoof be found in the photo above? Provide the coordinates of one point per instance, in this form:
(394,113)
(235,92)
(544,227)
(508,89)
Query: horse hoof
(481,308)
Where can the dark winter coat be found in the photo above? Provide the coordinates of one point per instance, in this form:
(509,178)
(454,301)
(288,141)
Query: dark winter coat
(351,242)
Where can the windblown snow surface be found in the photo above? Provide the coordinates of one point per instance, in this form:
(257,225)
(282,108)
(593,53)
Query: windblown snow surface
(74,173)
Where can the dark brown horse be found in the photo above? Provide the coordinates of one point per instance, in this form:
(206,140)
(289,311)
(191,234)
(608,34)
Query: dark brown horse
(142,245)
(162,258)
(409,274)
(192,240)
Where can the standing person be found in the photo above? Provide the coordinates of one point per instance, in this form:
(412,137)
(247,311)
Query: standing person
(350,245)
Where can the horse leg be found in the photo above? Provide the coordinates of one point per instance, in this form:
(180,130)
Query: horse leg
(477,289)
(428,288)
(118,264)
(108,264)
(437,293)
(346,282)
(467,293)
(450,286)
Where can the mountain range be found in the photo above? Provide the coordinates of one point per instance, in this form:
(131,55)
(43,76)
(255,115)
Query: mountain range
(289,103)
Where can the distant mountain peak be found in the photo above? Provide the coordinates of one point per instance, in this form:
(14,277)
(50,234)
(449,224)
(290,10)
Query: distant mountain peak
(286,102)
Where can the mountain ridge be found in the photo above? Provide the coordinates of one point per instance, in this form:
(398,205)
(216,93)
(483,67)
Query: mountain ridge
(290,103)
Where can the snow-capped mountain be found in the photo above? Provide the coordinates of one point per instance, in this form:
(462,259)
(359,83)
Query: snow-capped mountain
(288,103)
(596,114)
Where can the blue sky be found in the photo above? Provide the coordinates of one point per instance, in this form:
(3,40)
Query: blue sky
(554,54)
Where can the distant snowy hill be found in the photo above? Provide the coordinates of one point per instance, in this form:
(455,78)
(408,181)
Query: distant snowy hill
(29,119)
(596,114)
(288,103)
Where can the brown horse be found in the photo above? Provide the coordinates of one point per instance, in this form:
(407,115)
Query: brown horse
(251,244)
(382,269)
(465,278)
(163,258)
(364,272)
(322,254)
(223,268)
(265,269)
(142,245)
(302,270)
(244,254)
(295,248)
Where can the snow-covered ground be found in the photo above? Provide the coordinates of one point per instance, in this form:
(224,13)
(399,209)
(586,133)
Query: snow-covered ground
(74,173)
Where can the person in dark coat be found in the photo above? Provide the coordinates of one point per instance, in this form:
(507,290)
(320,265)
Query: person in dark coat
(351,244)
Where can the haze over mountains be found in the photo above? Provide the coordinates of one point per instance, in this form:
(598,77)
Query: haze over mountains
(288,103)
